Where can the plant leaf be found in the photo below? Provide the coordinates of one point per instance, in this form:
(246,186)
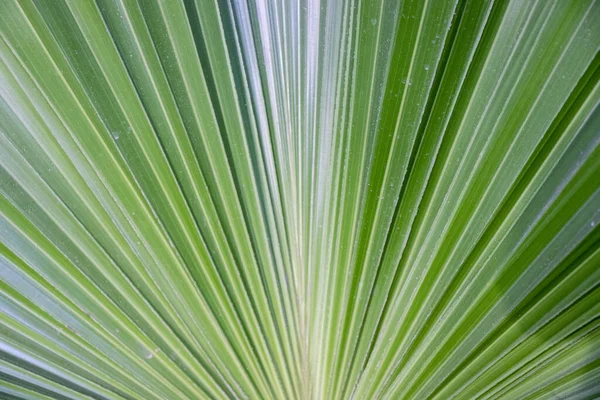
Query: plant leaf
(299,199)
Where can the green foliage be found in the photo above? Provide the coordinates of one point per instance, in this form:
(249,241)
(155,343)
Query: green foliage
(311,199)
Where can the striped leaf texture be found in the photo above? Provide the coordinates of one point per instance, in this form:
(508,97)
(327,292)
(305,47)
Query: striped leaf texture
(299,199)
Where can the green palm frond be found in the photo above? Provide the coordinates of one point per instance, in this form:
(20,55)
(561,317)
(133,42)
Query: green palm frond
(308,199)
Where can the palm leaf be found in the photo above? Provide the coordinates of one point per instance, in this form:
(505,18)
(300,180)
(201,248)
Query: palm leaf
(299,199)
